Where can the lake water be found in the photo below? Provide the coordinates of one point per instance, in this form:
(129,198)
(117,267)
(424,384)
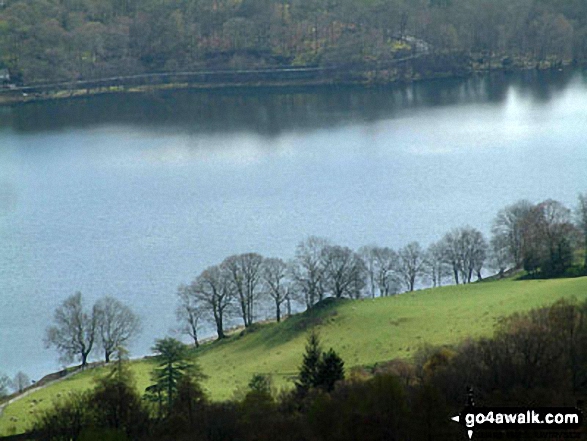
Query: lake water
(131,196)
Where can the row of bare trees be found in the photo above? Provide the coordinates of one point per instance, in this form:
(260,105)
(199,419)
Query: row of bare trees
(20,382)
(236,287)
(540,238)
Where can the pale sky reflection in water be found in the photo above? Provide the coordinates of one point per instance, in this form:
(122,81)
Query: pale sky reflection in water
(132,202)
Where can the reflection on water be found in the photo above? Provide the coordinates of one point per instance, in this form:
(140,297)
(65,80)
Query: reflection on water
(131,195)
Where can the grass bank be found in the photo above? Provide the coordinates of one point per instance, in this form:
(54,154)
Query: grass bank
(364,332)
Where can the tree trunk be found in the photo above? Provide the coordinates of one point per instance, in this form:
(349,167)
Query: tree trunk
(195,335)
(219,327)
(160,399)
(250,310)
(277,311)
(169,386)
(244,312)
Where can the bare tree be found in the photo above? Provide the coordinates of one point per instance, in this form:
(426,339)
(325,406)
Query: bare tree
(435,267)
(189,312)
(500,258)
(307,270)
(116,324)
(344,271)
(533,249)
(212,289)
(581,220)
(74,331)
(549,238)
(411,263)
(464,250)
(451,253)
(386,267)
(20,382)
(367,253)
(508,229)
(473,248)
(356,289)
(4,385)
(277,285)
(243,272)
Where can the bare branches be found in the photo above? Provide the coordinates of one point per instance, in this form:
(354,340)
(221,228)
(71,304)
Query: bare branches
(435,267)
(508,228)
(189,312)
(243,273)
(464,250)
(344,271)
(277,286)
(411,264)
(307,270)
(212,289)
(74,331)
(116,323)
(387,276)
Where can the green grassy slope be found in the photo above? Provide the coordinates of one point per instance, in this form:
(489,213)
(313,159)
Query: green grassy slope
(364,332)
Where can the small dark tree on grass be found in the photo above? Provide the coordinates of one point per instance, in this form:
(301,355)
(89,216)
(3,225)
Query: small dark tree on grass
(308,376)
(330,370)
(319,369)
(261,384)
(173,366)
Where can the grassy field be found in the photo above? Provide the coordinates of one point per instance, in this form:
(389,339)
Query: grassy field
(363,332)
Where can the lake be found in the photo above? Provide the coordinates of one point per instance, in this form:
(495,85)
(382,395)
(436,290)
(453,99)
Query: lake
(132,195)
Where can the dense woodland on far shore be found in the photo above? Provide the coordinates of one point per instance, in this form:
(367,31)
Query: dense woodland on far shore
(44,41)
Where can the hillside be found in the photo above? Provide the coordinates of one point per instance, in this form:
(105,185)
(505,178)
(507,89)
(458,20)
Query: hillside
(364,332)
(55,41)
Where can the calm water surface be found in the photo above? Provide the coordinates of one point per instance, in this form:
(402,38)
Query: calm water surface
(130,196)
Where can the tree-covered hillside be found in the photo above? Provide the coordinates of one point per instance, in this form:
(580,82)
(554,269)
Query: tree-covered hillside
(65,40)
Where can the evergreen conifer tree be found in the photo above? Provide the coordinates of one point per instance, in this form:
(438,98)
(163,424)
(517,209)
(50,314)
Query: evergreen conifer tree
(308,375)
(330,370)
(319,369)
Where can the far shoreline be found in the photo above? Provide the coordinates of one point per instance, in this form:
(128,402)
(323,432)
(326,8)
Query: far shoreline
(64,91)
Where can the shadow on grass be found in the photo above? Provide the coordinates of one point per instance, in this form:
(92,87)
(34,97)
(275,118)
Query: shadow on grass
(271,335)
